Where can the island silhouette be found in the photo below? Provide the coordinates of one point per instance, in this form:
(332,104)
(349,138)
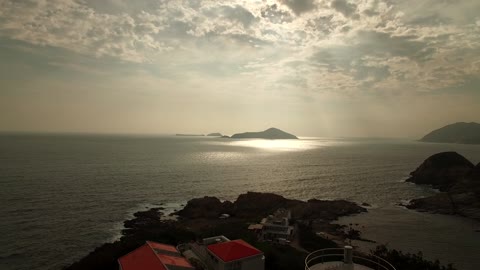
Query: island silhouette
(271,133)
(461,132)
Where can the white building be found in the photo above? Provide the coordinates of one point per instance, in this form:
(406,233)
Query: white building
(277,227)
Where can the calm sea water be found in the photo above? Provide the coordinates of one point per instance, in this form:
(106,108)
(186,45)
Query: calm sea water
(62,196)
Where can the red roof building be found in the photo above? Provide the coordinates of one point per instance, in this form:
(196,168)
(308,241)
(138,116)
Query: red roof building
(154,256)
(237,255)
(233,250)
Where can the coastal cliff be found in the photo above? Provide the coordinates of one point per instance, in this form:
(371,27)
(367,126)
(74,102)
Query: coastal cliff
(456,177)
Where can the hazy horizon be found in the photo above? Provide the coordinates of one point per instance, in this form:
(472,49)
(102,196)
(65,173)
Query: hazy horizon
(326,68)
(126,134)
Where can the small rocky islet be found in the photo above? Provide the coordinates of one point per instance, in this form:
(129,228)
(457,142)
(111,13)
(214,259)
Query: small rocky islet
(456,177)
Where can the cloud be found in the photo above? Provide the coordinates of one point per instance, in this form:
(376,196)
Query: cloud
(79,28)
(239,14)
(355,44)
(430,20)
(300,6)
(343,6)
(275,14)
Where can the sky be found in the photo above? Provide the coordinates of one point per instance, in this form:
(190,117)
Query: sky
(363,68)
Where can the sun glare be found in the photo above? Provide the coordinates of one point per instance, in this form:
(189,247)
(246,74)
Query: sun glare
(278,145)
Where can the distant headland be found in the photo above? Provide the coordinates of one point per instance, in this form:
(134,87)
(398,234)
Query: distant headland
(271,133)
(181,134)
(215,134)
(465,133)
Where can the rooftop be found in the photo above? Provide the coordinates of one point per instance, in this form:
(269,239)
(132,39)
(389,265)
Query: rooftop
(233,250)
(154,256)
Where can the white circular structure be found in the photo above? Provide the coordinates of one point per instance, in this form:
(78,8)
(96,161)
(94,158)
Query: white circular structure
(344,259)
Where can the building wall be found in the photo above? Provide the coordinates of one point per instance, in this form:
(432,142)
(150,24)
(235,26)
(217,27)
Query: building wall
(253,263)
(214,262)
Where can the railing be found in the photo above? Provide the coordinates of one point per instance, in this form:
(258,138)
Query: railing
(337,255)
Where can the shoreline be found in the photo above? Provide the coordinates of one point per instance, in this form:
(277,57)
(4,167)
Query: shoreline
(451,239)
(199,218)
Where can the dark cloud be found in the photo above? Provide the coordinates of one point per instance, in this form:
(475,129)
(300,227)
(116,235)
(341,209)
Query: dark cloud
(365,59)
(299,6)
(384,44)
(344,7)
(275,15)
(322,24)
(371,12)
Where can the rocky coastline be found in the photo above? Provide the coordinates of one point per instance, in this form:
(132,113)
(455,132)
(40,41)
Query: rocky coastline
(200,218)
(458,180)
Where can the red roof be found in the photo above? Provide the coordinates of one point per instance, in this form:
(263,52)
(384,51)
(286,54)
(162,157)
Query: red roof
(175,261)
(141,258)
(162,246)
(233,250)
(147,258)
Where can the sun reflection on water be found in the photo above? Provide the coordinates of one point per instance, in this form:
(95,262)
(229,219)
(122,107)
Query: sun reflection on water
(279,145)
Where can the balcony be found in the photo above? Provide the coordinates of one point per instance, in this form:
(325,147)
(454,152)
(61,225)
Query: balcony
(344,259)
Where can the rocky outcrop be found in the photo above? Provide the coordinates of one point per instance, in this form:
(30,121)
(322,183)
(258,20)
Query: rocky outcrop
(256,205)
(271,133)
(206,207)
(464,204)
(325,210)
(146,225)
(468,133)
(442,170)
(459,180)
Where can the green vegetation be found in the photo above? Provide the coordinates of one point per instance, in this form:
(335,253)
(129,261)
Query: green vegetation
(278,257)
(310,241)
(408,261)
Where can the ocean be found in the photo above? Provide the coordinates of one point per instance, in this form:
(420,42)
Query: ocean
(64,195)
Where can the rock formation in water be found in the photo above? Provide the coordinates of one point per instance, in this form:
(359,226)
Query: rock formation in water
(467,133)
(271,133)
(456,177)
(441,170)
